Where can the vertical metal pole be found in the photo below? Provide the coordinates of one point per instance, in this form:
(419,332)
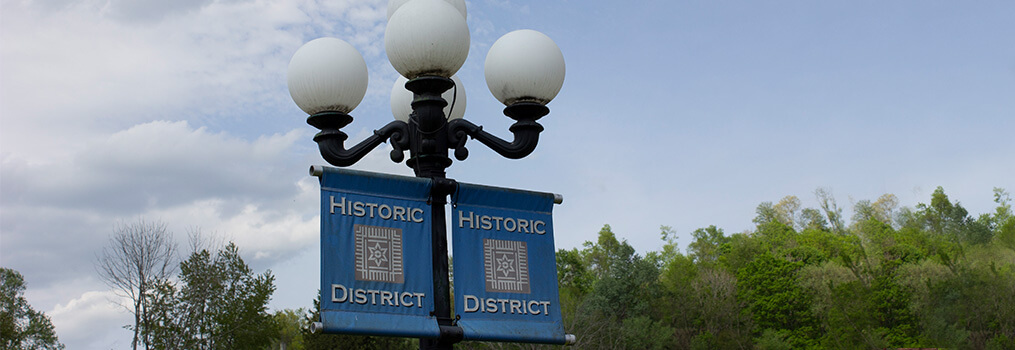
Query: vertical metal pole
(439,242)
(429,159)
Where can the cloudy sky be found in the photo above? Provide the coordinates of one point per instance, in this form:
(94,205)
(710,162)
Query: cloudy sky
(678,113)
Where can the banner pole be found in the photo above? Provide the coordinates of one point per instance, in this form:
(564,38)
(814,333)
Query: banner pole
(450,334)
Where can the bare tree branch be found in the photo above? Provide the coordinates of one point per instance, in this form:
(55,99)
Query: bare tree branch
(139,254)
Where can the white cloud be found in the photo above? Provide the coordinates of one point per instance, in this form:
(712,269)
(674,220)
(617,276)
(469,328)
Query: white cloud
(266,231)
(151,165)
(73,69)
(93,320)
(186,176)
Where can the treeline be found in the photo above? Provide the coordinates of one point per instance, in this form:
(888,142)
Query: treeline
(932,275)
(212,300)
(929,276)
(890,277)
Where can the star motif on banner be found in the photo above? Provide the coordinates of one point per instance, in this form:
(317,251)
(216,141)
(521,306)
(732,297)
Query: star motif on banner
(505,265)
(378,254)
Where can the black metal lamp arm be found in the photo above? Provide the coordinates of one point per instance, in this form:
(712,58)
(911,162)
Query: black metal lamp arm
(331,140)
(525,129)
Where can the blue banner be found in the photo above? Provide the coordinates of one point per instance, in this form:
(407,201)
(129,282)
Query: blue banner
(376,276)
(505,265)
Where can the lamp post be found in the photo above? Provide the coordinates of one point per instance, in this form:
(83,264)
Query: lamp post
(427,41)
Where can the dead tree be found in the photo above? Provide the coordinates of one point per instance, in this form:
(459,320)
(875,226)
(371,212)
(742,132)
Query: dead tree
(139,255)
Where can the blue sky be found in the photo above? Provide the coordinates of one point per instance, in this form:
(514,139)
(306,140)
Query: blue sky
(678,113)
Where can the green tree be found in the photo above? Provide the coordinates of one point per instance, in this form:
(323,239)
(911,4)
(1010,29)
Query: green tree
(832,211)
(787,209)
(708,246)
(670,247)
(769,285)
(626,281)
(608,294)
(811,219)
(891,301)
(573,276)
(290,325)
(607,253)
(742,250)
(642,332)
(721,313)
(776,236)
(952,221)
(1002,222)
(21,327)
(678,277)
(765,213)
(221,304)
(863,210)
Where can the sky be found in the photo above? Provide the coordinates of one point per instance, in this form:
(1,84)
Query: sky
(678,113)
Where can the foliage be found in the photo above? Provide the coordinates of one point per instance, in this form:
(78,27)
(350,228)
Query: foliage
(290,324)
(21,327)
(220,304)
(777,301)
(709,244)
(925,276)
(893,277)
(626,281)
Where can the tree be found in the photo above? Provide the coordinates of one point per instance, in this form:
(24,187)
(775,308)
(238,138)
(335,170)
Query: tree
(894,277)
(952,221)
(777,301)
(863,211)
(21,327)
(626,281)
(139,256)
(722,315)
(831,210)
(709,244)
(607,253)
(622,297)
(670,248)
(882,210)
(811,219)
(220,305)
(786,210)
(290,324)
(765,213)
(884,207)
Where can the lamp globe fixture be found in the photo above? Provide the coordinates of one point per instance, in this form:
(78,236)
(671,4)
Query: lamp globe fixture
(401,100)
(524,66)
(427,37)
(394,5)
(427,42)
(327,74)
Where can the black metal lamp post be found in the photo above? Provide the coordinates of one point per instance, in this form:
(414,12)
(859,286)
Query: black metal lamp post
(427,41)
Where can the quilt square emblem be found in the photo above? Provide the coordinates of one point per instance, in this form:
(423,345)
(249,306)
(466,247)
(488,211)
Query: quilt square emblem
(378,254)
(506,265)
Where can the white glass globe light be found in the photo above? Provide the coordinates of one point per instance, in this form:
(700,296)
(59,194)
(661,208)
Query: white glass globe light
(401,100)
(524,66)
(327,74)
(393,6)
(427,37)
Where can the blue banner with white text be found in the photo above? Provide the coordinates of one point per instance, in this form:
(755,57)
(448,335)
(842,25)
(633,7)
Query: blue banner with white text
(505,268)
(376,276)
